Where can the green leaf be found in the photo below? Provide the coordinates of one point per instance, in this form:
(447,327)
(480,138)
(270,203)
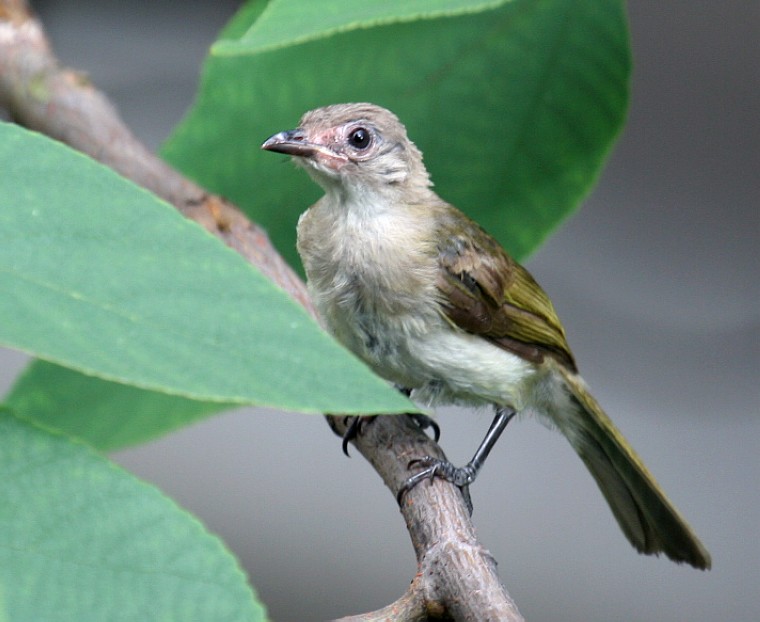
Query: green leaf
(107,415)
(514,104)
(293,22)
(82,540)
(99,275)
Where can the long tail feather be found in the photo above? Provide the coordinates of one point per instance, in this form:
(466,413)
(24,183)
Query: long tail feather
(647,517)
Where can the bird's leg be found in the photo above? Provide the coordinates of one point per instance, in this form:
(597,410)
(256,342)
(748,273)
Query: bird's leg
(459,476)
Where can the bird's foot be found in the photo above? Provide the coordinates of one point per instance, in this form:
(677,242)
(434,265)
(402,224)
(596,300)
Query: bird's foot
(461,477)
(354,429)
(431,467)
(356,424)
(424,422)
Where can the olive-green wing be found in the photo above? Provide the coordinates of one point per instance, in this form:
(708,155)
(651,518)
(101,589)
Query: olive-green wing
(486,292)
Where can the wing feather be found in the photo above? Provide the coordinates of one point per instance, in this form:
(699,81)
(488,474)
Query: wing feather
(485,292)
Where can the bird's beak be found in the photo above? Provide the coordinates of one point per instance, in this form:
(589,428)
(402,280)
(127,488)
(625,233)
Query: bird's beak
(291,142)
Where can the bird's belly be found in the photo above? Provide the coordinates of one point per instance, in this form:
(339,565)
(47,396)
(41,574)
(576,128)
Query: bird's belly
(467,369)
(423,352)
(381,340)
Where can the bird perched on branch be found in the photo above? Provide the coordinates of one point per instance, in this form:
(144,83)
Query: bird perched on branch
(432,303)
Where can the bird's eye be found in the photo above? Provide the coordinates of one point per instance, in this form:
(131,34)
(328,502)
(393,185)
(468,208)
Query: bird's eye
(359,138)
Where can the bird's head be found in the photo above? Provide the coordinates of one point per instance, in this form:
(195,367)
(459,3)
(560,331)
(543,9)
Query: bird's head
(350,147)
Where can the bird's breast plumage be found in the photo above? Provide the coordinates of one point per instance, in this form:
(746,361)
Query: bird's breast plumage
(376,293)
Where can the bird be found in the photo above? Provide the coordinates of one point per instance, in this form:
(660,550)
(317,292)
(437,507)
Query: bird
(432,303)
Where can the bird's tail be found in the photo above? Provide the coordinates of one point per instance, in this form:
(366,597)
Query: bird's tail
(647,517)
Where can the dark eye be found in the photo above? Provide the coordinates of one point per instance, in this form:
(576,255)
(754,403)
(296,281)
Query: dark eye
(359,138)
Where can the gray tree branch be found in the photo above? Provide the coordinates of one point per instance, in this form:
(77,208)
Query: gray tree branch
(456,577)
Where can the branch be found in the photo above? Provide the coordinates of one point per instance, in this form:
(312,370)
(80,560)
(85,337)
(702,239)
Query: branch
(456,576)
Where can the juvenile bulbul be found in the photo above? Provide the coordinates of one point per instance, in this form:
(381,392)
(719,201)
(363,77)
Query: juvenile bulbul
(432,303)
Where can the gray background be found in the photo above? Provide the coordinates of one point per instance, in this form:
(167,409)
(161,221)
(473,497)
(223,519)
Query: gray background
(656,281)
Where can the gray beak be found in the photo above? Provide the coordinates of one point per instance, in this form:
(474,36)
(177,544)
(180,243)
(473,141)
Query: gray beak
(290,142)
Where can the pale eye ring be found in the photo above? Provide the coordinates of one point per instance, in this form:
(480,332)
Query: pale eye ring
(359,138)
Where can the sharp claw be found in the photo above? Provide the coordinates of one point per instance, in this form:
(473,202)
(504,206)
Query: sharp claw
(436,430)
(465,490)
(424,422)
(411,482)
(412,463)
(354,429)
(350,434)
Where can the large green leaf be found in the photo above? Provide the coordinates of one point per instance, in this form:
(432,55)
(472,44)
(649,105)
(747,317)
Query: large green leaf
(82,540)
(515,104)
(107,415)
(100,276)
(292,22)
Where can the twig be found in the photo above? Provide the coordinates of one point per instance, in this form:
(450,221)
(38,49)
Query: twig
(456,577)
(410,608)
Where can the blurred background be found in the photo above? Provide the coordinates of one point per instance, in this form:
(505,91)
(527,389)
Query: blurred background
(656,281)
